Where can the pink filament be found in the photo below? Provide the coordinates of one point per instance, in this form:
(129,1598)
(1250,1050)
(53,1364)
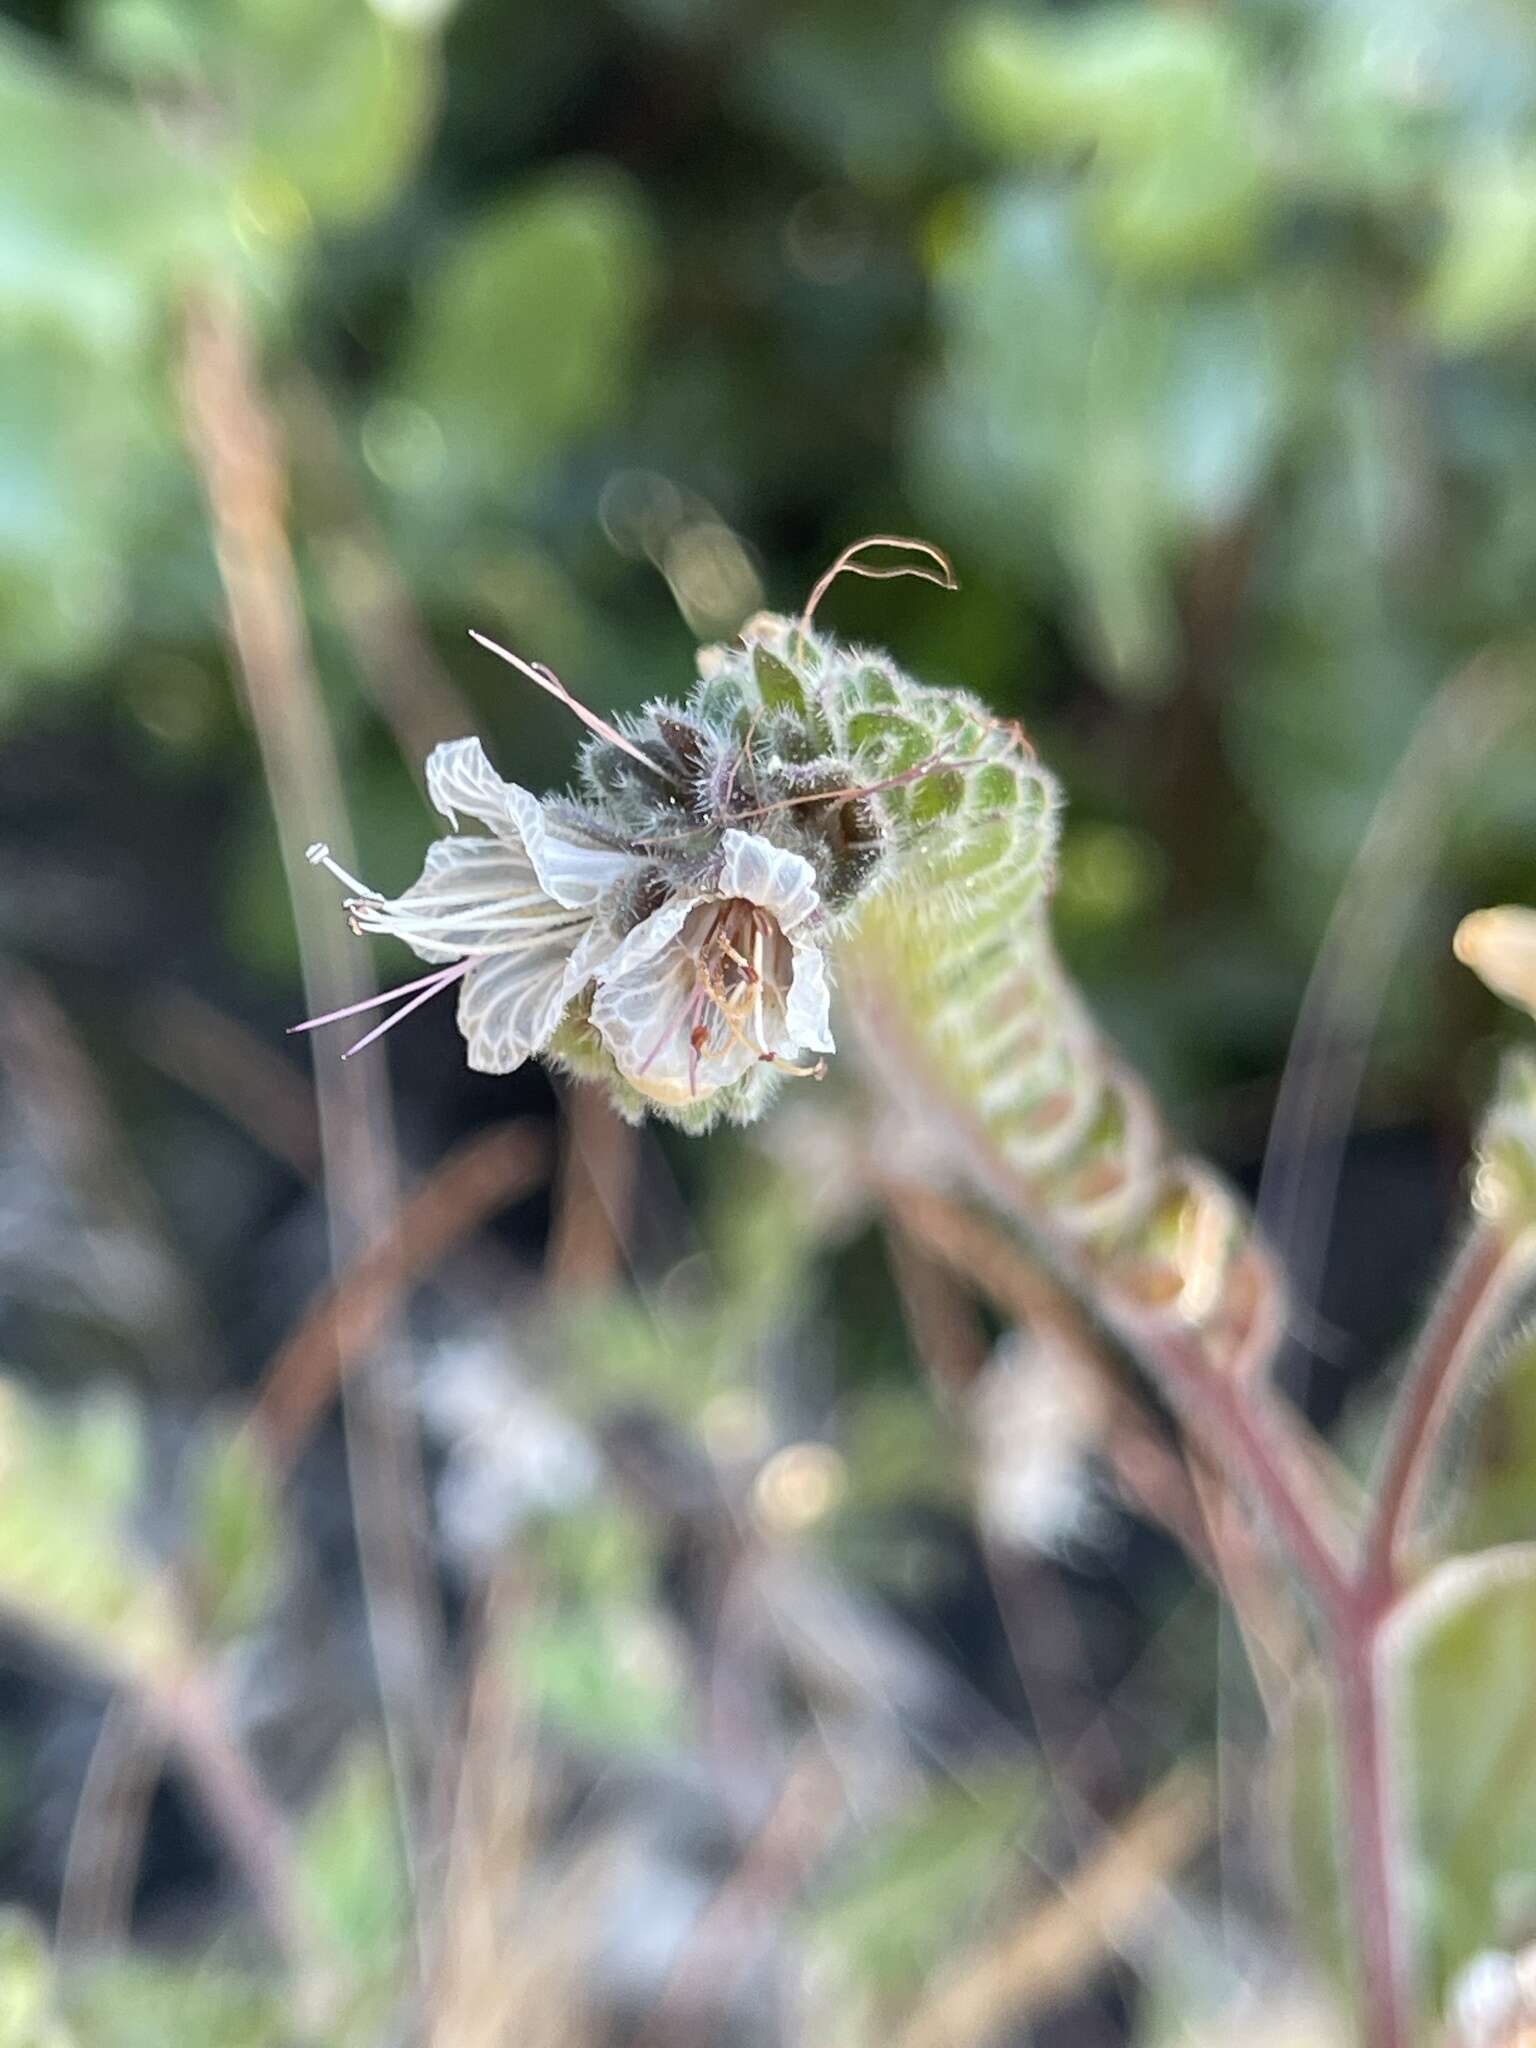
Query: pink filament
(428,985)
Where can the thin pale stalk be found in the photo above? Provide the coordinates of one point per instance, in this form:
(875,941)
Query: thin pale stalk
(232,441)
(106,1837)
(1382,898)
(188,1713)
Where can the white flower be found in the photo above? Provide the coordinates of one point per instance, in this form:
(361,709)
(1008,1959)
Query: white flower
(1037,1425)
(714,980)
(511,1454)
(517,908)
(711,983)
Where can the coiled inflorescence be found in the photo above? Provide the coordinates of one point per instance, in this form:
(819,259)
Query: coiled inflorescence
(672,928)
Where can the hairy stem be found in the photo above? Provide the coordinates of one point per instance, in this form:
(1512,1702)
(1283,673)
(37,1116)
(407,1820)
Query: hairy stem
(1263,1458)
(1380,1936)
(1475,1299)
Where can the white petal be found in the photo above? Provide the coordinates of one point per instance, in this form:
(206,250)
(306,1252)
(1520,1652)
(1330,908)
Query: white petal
(510,1004)
(644,1010)
(460,778)
(807,1013)
(593,950)
(635,952)
(474,896)
(764,873)
(572,864)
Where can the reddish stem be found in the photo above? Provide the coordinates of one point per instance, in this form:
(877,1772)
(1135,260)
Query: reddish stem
(1471,1304)
(1384,1978)
(1474,1300)
(1256,1448)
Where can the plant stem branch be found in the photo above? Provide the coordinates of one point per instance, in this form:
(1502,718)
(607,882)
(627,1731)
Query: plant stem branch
(1384,1979)
(1474,1300)
(189,1715)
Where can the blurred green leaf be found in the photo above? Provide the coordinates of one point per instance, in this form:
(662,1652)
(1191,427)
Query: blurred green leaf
(1129,76)
(320,110)
(524,331)
(604,1673)
(920,1884)
(897,1452)
(344,121)
(100,217)
(1106,426)
(1482,288)
(29,2015)
(139,2001)
(852,81)
(351,1881)
(68,1564)
(233,1543)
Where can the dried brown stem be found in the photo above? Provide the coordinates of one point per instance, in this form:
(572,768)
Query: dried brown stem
(70,1119)
(191,1717)
(233,443)
(111,1814)
(941,1318)
(594,1194)
(806,1811)
(483,1175)
(1046,1955)
(216,1057)
(1145,1462)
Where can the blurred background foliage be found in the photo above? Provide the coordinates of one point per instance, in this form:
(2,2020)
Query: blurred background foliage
(1204,340)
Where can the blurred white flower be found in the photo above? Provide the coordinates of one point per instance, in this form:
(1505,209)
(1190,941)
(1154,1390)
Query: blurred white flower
(714,979)
(511,1453)
(1492,2001)
(1037,1425)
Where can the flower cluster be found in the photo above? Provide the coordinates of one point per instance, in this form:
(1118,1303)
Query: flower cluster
(687,982)
(668,926)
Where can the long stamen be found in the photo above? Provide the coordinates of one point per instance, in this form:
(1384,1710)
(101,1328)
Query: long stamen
(319,856)
(441,981)
(698,1038)
(667,1030)
(438,975)
(818,1072)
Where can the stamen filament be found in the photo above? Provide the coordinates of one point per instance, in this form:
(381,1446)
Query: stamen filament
(440,981)
(319,856)
(438,974)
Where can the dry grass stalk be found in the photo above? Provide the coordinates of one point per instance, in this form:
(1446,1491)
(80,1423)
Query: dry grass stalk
(594,1194)
(478,1178)
(234,445)
(1050,1952)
